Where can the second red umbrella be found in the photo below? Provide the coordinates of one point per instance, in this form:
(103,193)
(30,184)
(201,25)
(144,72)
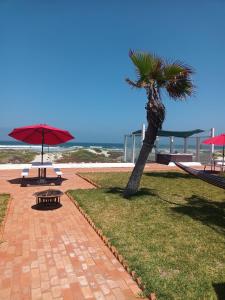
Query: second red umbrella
(218,140)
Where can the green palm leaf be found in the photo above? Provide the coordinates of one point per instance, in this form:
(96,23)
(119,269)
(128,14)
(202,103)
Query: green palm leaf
(180,88)
(175,77)
(147,65)
(177,80)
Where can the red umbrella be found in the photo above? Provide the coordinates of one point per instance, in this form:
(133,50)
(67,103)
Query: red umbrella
(218,140)
(41,134)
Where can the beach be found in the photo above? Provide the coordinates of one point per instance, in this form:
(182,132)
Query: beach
(16,153)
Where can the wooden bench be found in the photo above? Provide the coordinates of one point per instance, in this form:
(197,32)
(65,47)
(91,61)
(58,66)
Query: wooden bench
(58,172)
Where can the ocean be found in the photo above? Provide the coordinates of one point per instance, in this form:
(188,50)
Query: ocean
(7,145)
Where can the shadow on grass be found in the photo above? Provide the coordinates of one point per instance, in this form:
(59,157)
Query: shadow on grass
(170,175)
(219,290)
(210,213)
(46,206)
(142,192)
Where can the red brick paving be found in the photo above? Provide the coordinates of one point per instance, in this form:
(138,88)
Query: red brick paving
(56,254)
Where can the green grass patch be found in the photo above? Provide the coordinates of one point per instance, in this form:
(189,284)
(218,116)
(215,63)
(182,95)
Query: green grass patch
(172,233)
(4,198)
(16,156)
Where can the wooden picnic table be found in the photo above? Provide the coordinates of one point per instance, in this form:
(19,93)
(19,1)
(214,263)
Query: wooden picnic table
(42,171)
(42,168)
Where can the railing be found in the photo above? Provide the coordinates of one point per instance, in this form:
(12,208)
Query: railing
(201,153)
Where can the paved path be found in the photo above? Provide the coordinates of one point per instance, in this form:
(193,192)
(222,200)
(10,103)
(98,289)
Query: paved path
(55,254)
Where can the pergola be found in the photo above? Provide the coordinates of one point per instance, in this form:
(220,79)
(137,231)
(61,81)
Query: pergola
(171,135)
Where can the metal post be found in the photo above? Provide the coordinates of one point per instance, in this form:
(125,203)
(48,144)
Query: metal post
(156,147)
(143,132)
(171,144)
(42,146)
(223,159)
(133,148)
(212,146)
(125,148)
(185,145)
(197,156)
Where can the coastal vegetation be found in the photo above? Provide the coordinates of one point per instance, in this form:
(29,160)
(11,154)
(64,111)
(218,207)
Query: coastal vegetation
(155,75)
(75,156)
(16,156)
(172,232)
(90,156)
(4,198)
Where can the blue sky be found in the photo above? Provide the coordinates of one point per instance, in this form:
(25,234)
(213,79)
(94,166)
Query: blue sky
(65,62)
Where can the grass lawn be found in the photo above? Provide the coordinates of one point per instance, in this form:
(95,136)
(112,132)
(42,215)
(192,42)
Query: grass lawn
(4,198)
(172,233)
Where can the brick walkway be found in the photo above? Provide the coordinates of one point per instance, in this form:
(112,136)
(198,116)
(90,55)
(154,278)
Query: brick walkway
(55,254)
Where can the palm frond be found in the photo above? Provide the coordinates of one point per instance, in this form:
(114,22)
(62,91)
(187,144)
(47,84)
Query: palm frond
(180,88)
(170,71)
(136,84)
(154,72)
(177,80)
(148,66)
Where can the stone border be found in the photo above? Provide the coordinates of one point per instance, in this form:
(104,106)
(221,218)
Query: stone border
(2,225)
(89,180)
(113,249)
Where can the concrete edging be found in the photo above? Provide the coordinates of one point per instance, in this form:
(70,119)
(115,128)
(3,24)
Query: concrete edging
(89,180)
(113,249)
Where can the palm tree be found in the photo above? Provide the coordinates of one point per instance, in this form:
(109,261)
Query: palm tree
(154,74)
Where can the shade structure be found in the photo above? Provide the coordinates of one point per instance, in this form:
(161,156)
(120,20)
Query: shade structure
(218,140)
(169,133)
(41,134)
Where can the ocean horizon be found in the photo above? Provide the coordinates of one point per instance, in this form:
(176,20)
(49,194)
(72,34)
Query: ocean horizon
(17,145)
(62,147)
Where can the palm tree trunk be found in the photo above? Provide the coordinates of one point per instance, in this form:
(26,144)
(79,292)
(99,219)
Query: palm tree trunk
(155,116)
(135,178)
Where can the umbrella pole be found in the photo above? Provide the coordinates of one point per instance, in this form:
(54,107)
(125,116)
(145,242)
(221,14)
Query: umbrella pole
(223,159)
(42,147)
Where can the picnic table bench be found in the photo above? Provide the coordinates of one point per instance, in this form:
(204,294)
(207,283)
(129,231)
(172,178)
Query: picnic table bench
(25,172)
(41,169)
(58,172)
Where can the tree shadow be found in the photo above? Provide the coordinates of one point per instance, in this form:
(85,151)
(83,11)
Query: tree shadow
(219,290)
(35,181)
(210,213)
(169,202)
(170,175)
(47,206)
(142,192)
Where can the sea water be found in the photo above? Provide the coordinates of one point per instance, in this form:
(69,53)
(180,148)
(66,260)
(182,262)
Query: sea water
(109,146)
(16,145)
